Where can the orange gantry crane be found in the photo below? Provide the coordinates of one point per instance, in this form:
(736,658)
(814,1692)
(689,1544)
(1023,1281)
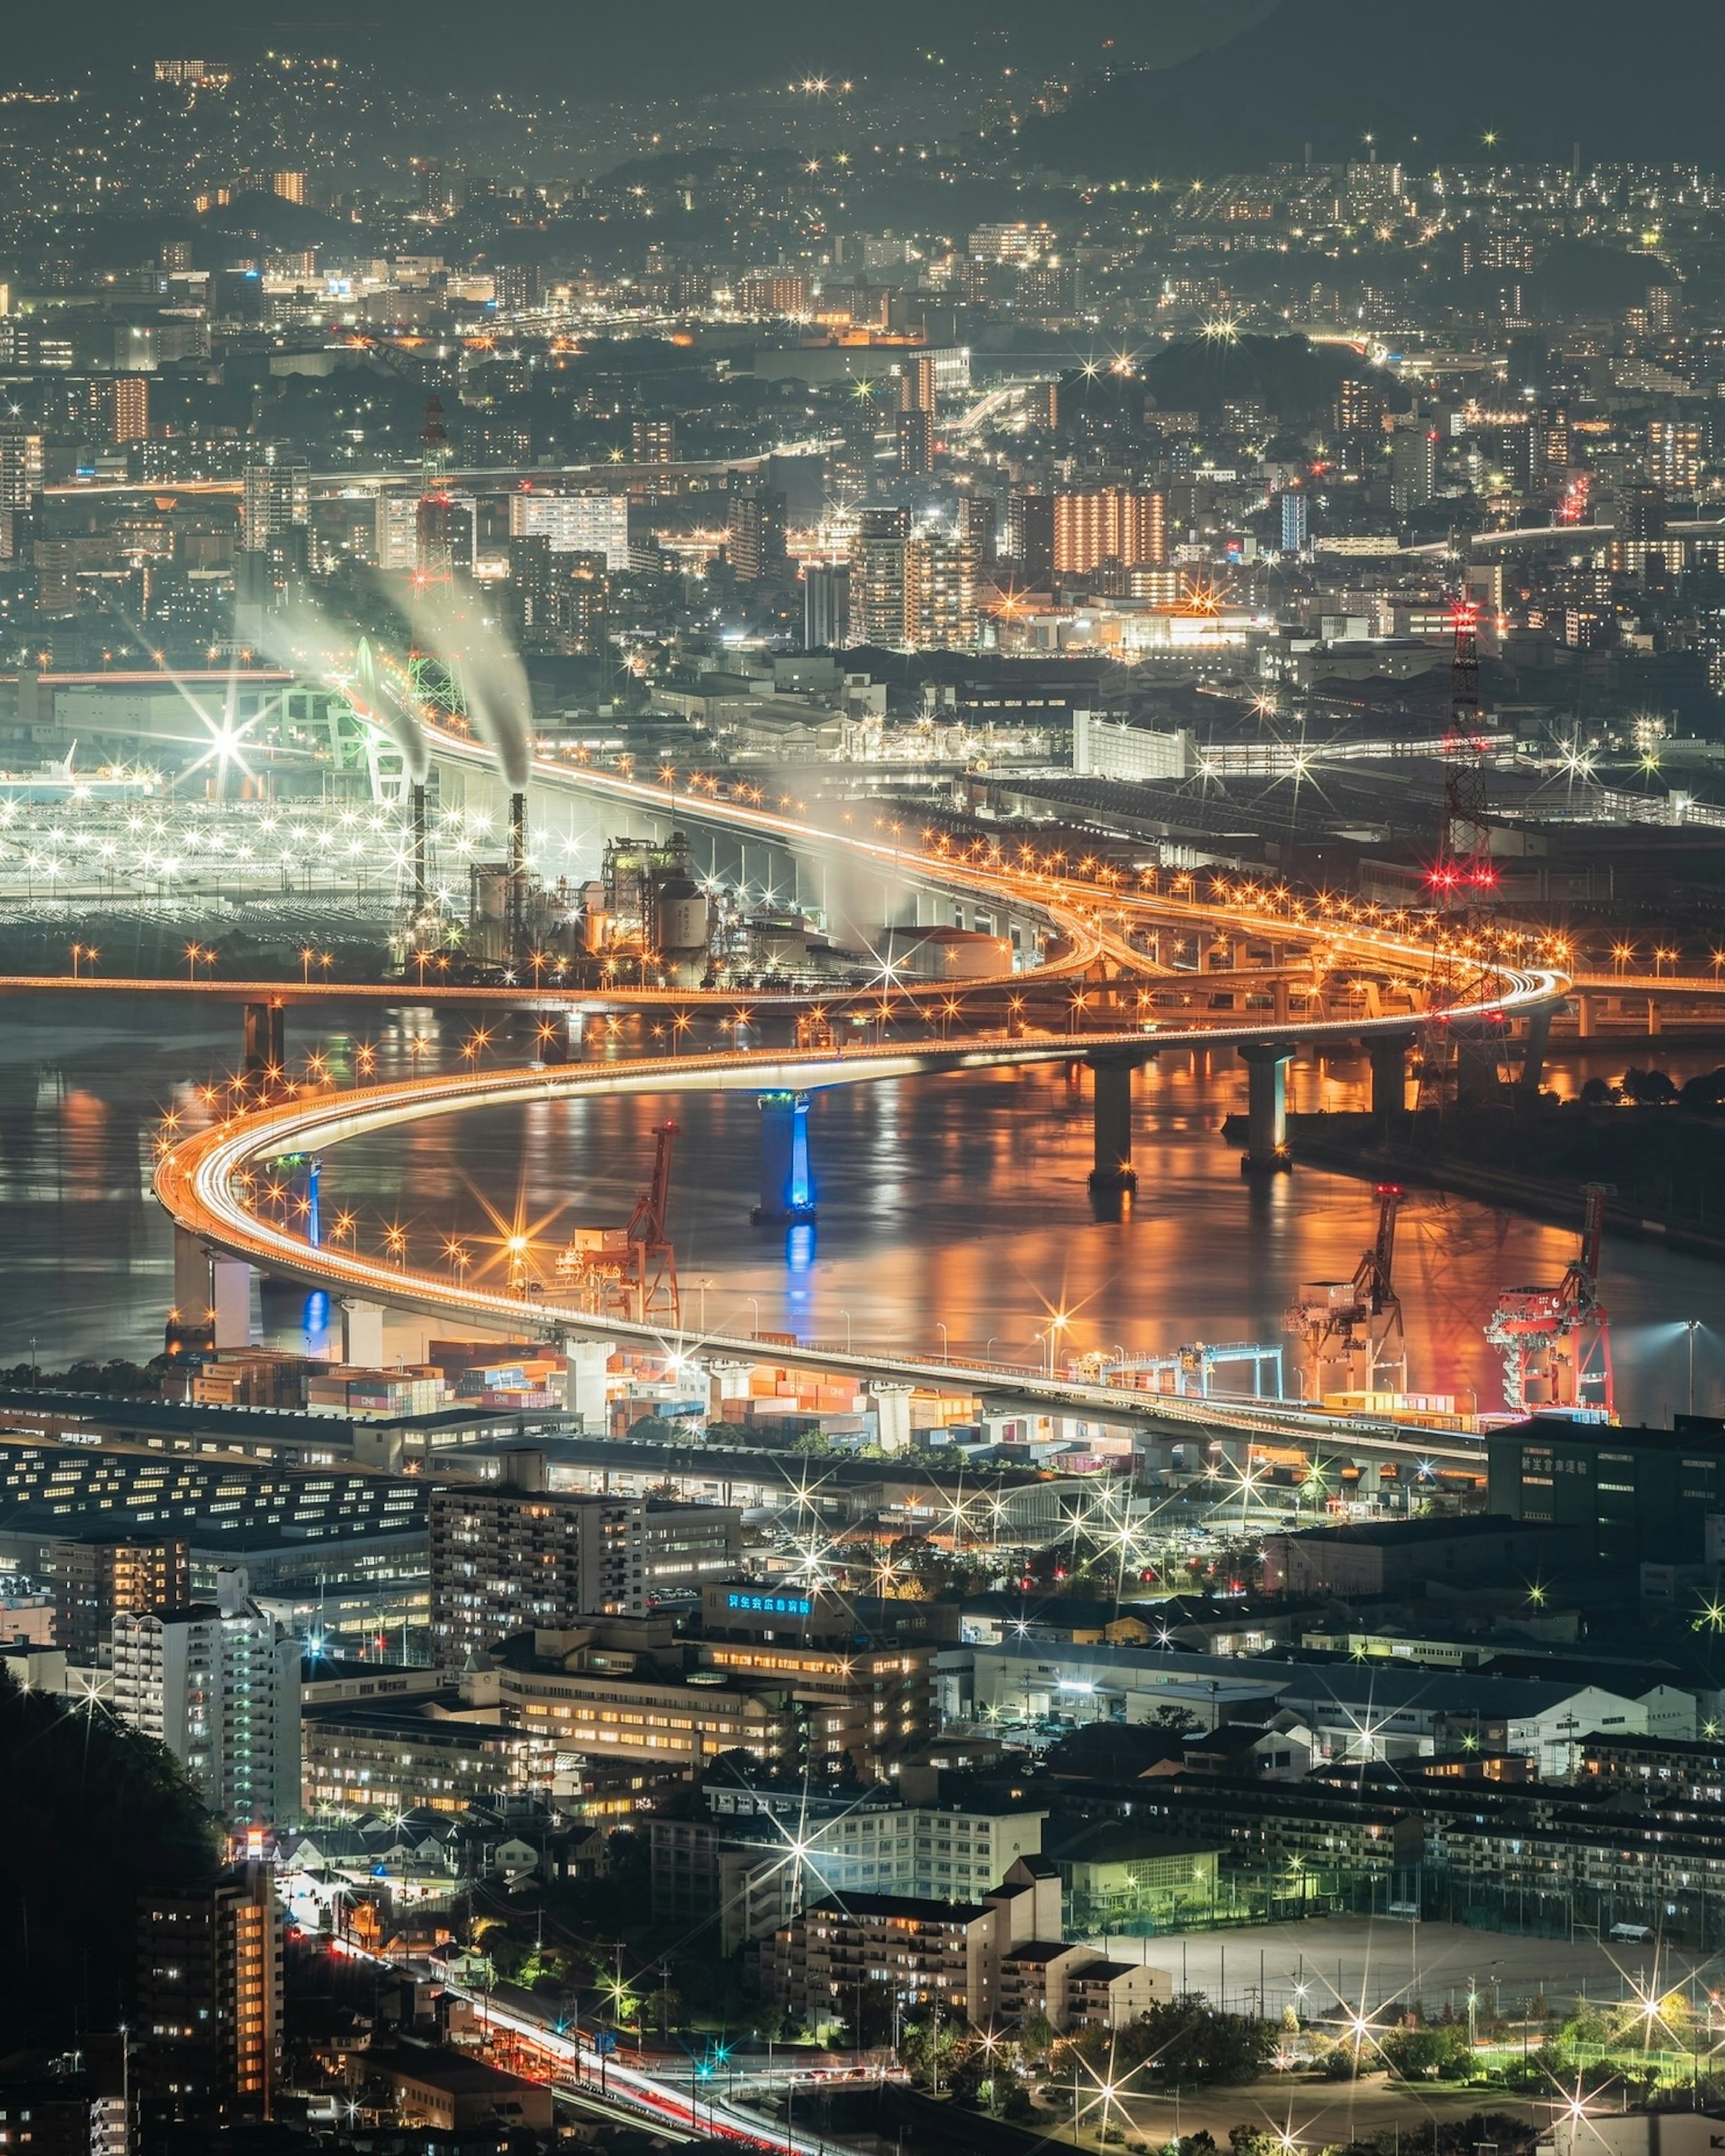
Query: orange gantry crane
(1350,1330)
(1556,1342)
(630,1271)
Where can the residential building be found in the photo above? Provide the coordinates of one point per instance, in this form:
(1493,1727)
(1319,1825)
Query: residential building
(210,1990)
(96,1580)
(1108,523)
(878,611)
(940,592)
(988,1962)
(746,1856)
(219,1685)
(505,1559)
(755,542)
(573,523)
(435,1753)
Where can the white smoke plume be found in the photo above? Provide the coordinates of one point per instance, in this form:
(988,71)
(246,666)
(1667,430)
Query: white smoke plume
(301,638)
(493,680)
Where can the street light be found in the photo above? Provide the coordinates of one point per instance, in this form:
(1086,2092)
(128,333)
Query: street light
(946,1351)
(1692,1325)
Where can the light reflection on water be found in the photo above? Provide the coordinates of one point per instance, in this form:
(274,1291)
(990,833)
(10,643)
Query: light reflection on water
(959,1202)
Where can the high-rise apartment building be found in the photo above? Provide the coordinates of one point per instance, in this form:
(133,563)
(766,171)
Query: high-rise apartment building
(653,441)
(574,523)
(1108,523)
(914,436)
(773,292)
(940,593)
(1413,468)
(214,1683)
(877,577)
(755,543)
(120,407)
(96,1581)
(506,1560)
(210,1990)
(1361,405)
(1675,450)
(1294,529)
(275,500)
(978,523)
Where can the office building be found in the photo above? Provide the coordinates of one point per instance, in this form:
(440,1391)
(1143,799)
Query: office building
(1634,1495)
(826,607)
(219,1685)
(210,1992)
(1029,535)
(507,1559)
(1108,524)
(574,523)
(97,1579)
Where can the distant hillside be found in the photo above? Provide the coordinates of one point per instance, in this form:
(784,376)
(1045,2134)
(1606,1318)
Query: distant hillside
(1540,75)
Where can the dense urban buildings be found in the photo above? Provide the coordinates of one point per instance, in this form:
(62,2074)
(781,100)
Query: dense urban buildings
(701,716)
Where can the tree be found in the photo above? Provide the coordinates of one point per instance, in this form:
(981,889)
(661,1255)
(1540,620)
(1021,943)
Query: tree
(93,1814)
(1184,2041)
(1649,1089)
(1436,2054)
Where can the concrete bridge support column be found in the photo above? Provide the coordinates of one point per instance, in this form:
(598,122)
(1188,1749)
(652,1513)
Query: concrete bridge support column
(1586,1016)
(266,1040)
(1278,998)
(1113,1120)
(363,1334)
(1534,1043)
(786,1180)
(893,1416)
(1387,1054)
(584,1393)
(231,1299)
(192,1298)
(1266,1062)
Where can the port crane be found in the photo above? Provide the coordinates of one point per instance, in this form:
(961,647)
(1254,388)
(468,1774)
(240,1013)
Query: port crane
(1556,1342)
(1351,1329)
(630,1271)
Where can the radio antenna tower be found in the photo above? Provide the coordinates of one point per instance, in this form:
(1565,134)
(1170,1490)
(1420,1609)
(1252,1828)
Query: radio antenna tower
(1464,866)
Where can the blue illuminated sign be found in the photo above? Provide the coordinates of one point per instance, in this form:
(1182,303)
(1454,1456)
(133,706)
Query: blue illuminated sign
(772,1605)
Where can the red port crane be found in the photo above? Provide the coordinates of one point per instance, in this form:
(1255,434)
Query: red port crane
(1353,1328)
(1557,1340)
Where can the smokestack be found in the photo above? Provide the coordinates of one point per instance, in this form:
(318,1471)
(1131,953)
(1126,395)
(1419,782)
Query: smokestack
(518,875)
(422,892)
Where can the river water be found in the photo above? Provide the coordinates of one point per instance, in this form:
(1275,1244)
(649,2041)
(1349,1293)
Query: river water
(944,1202)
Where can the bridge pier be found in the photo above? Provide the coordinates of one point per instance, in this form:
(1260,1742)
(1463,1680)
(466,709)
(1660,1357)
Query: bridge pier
(1586,1014)
(1266,1062)
(266,1040)
(363,1334)
(1387,1056)
(893,1416)
(231,1301)
(585,1386)
(192,1303)
(1534,1043)
(1112,1111)
(787,1183)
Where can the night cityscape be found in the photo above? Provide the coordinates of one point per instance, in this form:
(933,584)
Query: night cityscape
(862,1080)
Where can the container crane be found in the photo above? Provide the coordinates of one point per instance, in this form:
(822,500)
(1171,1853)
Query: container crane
(1556,1342)
(1351,1329)
(630,1271)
